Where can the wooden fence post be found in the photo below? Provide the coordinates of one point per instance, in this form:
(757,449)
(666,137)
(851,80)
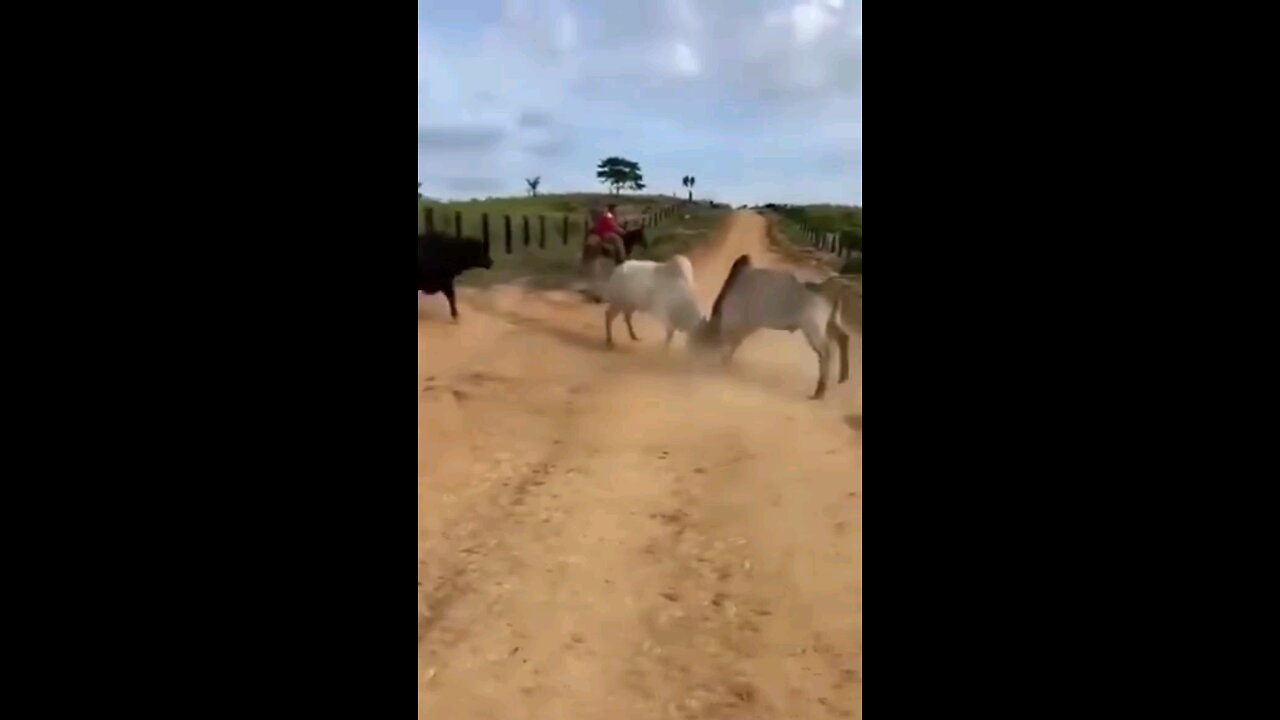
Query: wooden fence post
(457,224)
(506,221)
(484,230)
(526,230)
(565,234)
(542,232)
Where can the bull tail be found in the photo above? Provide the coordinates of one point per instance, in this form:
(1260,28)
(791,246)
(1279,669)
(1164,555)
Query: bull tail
(743,262)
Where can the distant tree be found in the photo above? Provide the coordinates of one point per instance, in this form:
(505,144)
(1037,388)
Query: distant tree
(419,191)
(688,182)
(619,173)
(533,184)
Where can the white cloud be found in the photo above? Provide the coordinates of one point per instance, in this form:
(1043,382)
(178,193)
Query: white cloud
(808,20)
(683,17)
(515,10)
(566,32)
(684,61)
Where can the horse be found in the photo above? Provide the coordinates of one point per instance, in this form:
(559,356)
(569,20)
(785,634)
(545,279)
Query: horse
(630,240)
(597,255)
(663,290)
(633,238)
(760,298)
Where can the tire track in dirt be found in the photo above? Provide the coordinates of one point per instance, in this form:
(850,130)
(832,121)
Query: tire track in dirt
(627,534)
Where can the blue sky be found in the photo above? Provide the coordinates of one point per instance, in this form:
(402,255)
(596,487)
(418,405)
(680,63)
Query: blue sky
(761,100)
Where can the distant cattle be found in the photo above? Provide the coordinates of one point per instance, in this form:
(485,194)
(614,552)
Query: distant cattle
(441,259)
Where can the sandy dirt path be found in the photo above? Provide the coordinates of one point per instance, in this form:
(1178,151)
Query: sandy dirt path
(632,535)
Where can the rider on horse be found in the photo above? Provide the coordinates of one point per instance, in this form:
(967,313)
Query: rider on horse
(609,233)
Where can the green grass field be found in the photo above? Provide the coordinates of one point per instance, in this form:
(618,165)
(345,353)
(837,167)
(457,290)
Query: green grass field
(788,239)
(556,264)
(575,205)
(678,235)
(789,229)
(826,218)
(843,219)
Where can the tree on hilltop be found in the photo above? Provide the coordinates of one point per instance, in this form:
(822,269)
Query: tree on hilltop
(620,173)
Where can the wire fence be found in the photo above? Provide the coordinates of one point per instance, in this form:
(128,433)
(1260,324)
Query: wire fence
(523,230)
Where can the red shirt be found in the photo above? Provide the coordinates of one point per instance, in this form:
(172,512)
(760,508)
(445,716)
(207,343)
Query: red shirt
(607,225)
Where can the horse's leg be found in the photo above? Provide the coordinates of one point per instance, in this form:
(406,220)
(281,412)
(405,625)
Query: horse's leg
(596,278)
(589,254)
(610,314)
(630,329)
(671,331)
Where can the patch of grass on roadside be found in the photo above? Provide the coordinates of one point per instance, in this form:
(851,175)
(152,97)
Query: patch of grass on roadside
(553,267)
(557,266)
(843,219)
(679,235)
(784,228)
(555,207)
(787,239)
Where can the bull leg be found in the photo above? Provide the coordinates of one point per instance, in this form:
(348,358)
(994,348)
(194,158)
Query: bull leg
(630,329)
(824,369)
(453,301)
(610,314)
(821,344)
(731,347)
(842,343)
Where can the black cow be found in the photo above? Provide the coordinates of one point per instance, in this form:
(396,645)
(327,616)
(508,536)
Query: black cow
(441,259)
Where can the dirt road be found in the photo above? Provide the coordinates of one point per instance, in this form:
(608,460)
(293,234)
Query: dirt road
(630,535)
